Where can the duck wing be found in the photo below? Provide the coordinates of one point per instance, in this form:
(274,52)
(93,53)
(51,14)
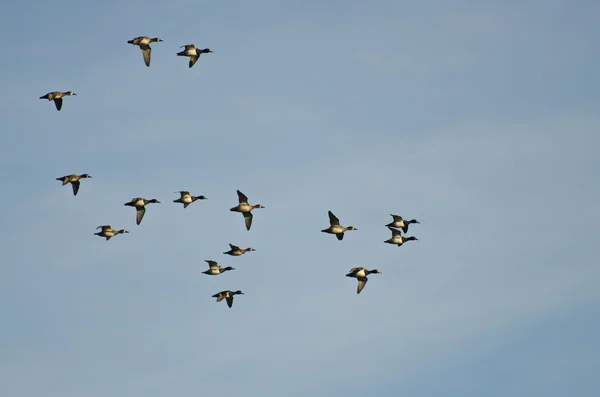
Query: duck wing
(248,219)
(75,185)
(333,220)
(140,215)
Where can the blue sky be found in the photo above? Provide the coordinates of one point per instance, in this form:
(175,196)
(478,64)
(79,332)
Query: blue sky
(480,120)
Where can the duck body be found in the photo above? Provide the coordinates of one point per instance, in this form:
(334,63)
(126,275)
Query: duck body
(401,223)
(187,199)
(194,53)
(57,97)
(397,237)
(108,232)
(73,179)
(144,43)
(227,295)
(336,228)
(361,273)
(214,268)
(245,208)
(140,205)
(237,251)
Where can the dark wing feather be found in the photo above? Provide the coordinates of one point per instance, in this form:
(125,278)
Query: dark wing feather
(340,236)
(147,53)
(75,187)
(242,197)
(248,219)
(193,60)
(333,220)
(229,301)
(361,284)
(58,103)
(140,214)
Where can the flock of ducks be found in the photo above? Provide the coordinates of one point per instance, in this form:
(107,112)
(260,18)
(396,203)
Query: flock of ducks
(397,226)
(143,42)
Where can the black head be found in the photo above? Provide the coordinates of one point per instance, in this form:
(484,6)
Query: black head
(201,197)
(123,231)
(238,292)
(205,51)
(250,249)
(85,176)
(228,268)
(153,201)
(374,271)
(413,221)
(411,238)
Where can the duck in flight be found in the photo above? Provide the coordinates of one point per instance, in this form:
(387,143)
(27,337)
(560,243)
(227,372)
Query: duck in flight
(401,223)
(144,43)
(245,208)
(227,295)
(57,97)
(193,52)
(108,232)
(360,273)
(237,251)
(214,268)
(140,205)
(73,179)
(336,228)
(397,237)
(187,199)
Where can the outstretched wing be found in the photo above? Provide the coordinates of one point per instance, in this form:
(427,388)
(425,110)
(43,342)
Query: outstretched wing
(58,103)
(340,236)
(229,301)
(248,219)
(361,284)
(147,53)
(140,214)
(333,220)
(75,185)
(233,247)
(242,197)
(212,264)
(193,60)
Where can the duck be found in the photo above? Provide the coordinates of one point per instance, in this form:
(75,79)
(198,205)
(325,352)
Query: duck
(139,203)
(193,52)
(397,237)
(108,232)
(336,228)
(245,208)
(237,251)
(57,97)
(214,268)
(144,43)
(187,199)
(360,273)
(73,179)
(401,223)
(227,295)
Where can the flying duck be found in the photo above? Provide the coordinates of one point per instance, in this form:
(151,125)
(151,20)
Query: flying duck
(193,52)
(57,97)
(73,180)
(398,238)
(336,228)
(237,251)
(144,43)
(245,208)
(401,223)
(214,268)
(187,199)
(108,232)
(228,296)
(139,203)
(360,273)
